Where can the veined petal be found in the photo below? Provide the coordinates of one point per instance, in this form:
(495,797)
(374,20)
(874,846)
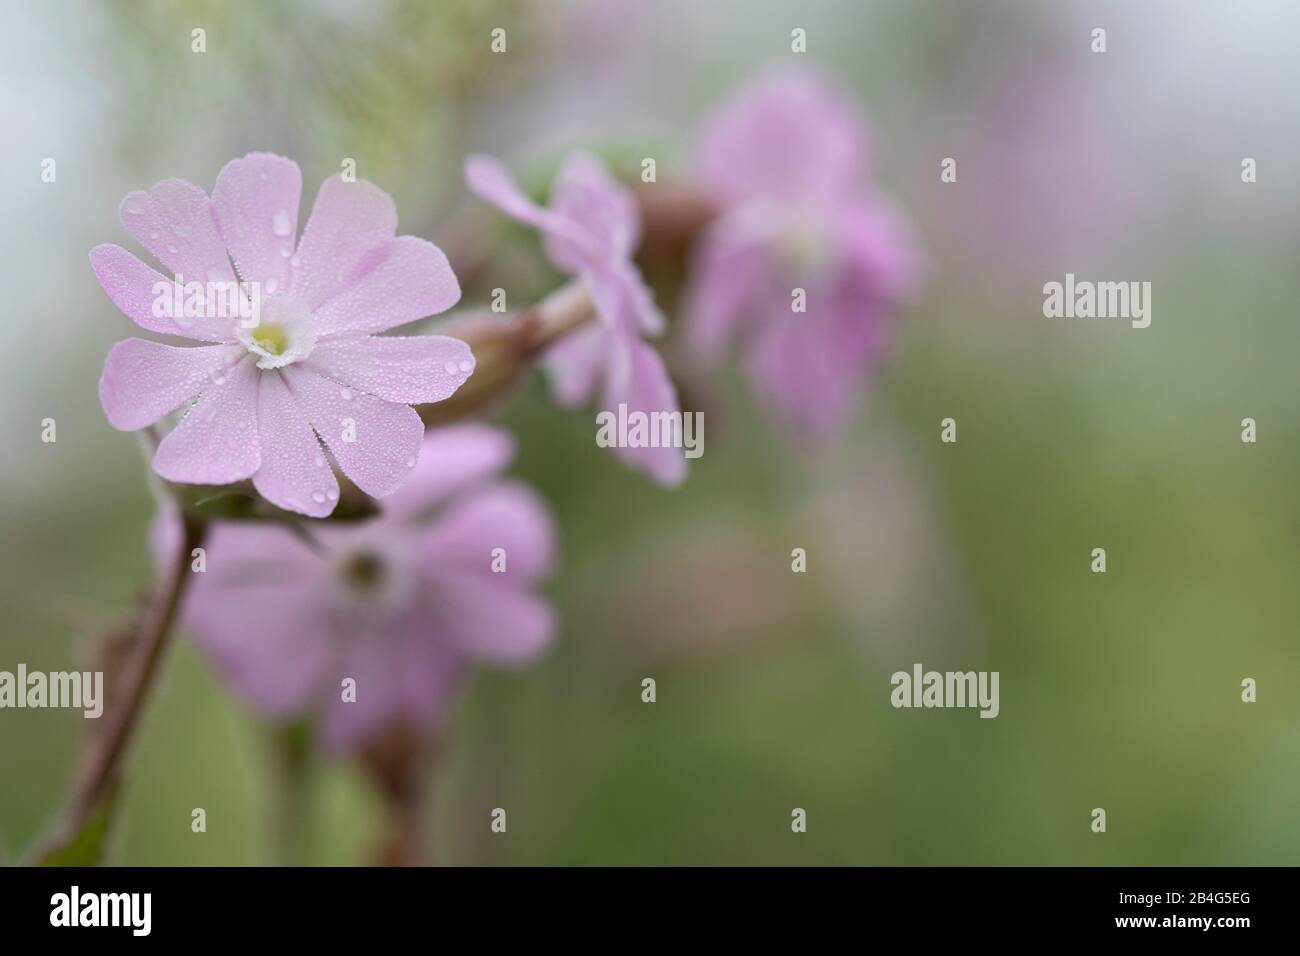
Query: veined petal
(175,221)
(216,442)
(143,381)
(424,368)
(349,222)
(294,474)
(256,200)
(134,288)
(412,280)
(375,442)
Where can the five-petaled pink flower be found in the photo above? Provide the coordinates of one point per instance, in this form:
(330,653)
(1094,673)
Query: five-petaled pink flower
(591,230)
(311,365)
(787,162)
(403,605)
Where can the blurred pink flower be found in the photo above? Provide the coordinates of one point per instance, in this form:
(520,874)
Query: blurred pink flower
(403,604)
(591,230)
(787,161)
(310,367)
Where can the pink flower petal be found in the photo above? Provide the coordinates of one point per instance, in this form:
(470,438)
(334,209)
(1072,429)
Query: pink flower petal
(426,368)
(639,380)
(216,443)
(133,287)
(623,300)
(490,622)
(175,221)
(803,370)
(412,281)
(256,200)
(587,195)
(454,457)
(143,381)
(730,270)
(256,612)
(789,136)
(576,364)
(349,222)
(490,180)
(386,437)
(403,670)
(294,474)
(509,516)
(877,240)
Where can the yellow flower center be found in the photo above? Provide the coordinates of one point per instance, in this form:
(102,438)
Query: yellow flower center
(271,338)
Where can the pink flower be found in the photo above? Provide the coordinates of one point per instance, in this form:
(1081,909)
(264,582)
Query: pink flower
(591,231)
(403,604)
(787,162)
(311,366)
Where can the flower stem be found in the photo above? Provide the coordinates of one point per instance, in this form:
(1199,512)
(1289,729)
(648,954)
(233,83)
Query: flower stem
(99,768)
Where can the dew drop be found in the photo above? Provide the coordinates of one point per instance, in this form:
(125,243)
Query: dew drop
(410,462)
(272,284)
(284,252)
(320,460)
(467,366)
(332,494)
(133,210)
(262,175)
(345,394)
(171,248)
(153,235)
(280,223)
(451,368)
(294,262)
(318,496)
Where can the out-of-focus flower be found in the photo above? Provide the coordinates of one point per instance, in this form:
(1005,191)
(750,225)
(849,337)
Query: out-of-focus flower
(787,161)
(403,604)
(591,230)
(309,364)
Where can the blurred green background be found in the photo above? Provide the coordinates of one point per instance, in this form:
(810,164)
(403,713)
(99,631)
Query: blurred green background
(1118,691)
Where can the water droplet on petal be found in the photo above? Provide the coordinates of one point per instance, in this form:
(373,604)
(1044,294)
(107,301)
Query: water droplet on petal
(320,460)
(153,235)
(280,224)
(284,252)
(318,496)
(171,248)
(133,210)
(332,494)
(262,175)
(410,462)
(294,262)
(451,368)
(272,284)
(467,366)
(345,394)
